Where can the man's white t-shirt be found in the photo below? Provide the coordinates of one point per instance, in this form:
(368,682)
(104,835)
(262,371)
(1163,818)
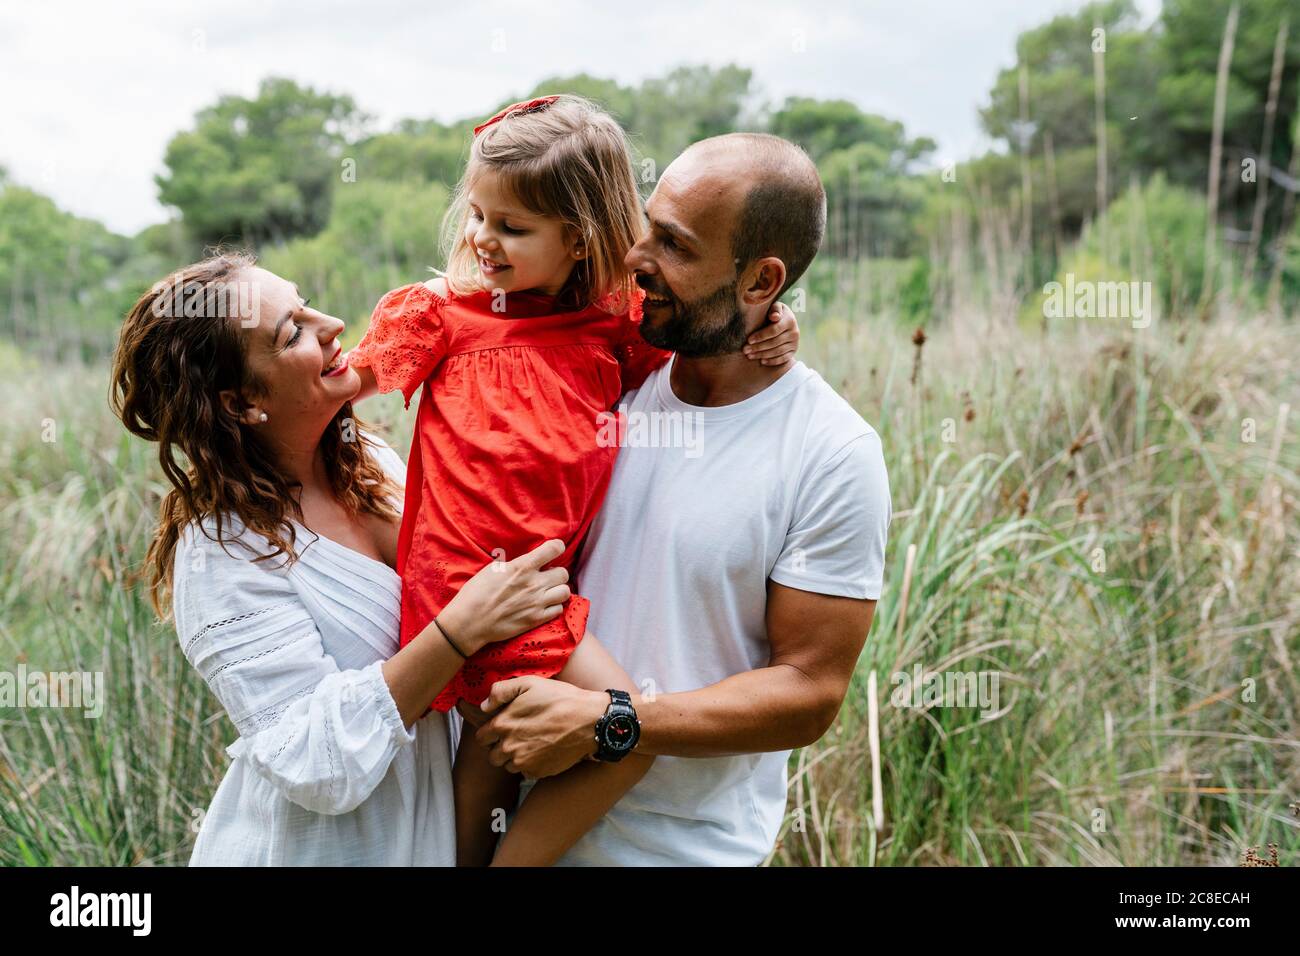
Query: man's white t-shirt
(704,506)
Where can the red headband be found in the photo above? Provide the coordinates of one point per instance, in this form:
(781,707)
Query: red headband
(531,106)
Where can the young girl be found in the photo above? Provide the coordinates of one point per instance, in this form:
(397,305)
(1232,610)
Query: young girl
(523,347)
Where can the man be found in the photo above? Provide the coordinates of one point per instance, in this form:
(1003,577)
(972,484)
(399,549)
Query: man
(734,578)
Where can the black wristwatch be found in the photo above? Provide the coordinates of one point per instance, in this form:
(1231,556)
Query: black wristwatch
(618,730)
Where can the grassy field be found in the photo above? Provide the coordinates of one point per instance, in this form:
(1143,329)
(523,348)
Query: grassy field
(1102,517)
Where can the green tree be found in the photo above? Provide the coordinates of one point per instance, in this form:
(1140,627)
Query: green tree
(1059,58)
(1159,96)
(824,126)
(58,276)
(666,114)
(421,151)
(1191,34)
(380,235)
(867,164)
(260,169)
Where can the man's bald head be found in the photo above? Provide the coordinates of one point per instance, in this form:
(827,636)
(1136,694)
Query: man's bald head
(783,209)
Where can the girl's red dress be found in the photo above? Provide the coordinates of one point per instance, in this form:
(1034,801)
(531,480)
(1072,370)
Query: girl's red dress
(511,448)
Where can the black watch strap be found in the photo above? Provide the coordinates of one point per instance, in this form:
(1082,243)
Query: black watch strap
(619,697)
(621,713)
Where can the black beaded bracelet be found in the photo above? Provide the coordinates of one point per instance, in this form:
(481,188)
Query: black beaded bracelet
(447,637)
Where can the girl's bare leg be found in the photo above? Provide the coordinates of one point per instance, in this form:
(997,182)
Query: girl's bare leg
(560,809)
(483,793)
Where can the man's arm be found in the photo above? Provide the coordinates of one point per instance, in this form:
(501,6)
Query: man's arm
(815,640)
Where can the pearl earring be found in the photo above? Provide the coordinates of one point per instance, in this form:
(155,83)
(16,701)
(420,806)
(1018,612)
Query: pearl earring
(262,417)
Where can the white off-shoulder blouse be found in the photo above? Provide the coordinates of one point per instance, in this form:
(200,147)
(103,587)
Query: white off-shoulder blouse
(324,772)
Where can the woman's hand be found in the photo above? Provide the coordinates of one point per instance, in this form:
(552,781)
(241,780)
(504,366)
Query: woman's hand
(776,342)
(507,598)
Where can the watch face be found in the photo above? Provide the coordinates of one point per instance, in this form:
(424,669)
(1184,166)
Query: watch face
(620,732)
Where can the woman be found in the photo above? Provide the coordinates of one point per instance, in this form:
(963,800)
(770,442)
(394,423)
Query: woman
(276,549)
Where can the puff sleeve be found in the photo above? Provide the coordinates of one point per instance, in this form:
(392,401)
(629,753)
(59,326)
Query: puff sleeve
(405,340)
(322,736)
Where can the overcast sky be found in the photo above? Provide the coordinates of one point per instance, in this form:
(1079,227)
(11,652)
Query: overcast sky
(92,91)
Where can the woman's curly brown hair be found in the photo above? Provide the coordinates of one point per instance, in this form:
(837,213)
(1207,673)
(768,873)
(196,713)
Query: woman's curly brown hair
(169,370)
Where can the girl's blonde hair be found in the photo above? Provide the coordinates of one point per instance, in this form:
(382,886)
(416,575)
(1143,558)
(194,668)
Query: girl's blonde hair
(568,160)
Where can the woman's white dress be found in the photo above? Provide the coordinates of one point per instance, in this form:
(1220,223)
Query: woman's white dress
(324,771)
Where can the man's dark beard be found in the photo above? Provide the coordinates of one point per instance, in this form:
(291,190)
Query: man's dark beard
(698,329)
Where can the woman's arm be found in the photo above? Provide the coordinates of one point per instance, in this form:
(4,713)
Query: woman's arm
(325,737)
(322,736)
(502,600)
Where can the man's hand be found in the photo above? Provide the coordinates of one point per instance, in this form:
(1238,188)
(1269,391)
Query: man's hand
(538,727)
(473,715)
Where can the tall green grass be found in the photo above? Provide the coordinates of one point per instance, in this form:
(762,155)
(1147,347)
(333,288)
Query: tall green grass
(1086,520)
(1083,517)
